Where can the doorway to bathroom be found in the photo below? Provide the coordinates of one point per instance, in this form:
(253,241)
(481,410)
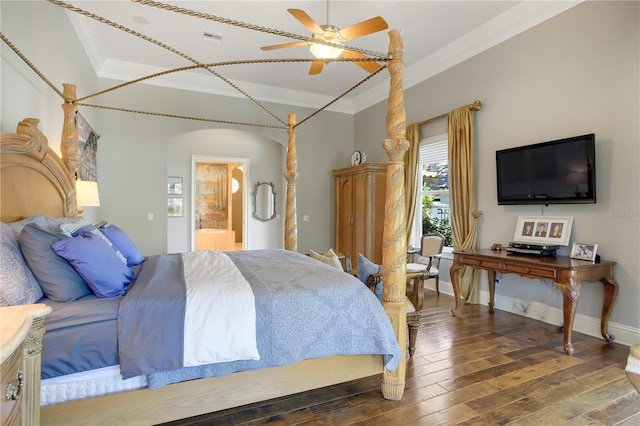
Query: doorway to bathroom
(219,203)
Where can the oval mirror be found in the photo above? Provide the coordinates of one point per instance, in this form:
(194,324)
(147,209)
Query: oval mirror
(264,201)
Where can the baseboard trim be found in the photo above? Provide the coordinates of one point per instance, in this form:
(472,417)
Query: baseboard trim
(623,334)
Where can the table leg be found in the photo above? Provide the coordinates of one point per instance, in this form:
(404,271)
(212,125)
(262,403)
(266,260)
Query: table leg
(570,295)
(492,288)
(455,283)
(610,291)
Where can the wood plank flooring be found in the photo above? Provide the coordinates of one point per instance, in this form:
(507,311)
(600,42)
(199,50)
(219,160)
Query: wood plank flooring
(475,369)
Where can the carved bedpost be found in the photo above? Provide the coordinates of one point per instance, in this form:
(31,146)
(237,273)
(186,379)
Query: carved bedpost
(290,221)
(394,245)
(69,140)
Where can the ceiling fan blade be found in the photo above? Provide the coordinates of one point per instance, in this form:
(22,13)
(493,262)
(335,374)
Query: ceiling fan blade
(360,29)
(306,20)
(281,46)
(368,66)
(316,67)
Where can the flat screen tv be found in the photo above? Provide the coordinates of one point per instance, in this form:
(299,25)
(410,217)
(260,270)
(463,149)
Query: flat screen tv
(555,172)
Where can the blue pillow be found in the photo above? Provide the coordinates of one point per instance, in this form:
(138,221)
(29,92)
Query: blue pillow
(76,229)
(366,268)
(97,263)
(57,278)
(124,244)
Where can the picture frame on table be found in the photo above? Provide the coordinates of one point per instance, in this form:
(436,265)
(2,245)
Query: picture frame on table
(543,230)
(175,207)
(584,251)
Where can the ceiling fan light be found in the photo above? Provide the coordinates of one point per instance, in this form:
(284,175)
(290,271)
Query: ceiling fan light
(322,51)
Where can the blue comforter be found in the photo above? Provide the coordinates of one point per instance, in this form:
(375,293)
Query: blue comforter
(304,309)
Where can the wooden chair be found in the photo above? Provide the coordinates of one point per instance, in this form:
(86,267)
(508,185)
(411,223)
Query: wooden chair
(428,258)
(415,297)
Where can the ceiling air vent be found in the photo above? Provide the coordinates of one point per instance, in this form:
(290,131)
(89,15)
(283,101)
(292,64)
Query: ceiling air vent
(212,37)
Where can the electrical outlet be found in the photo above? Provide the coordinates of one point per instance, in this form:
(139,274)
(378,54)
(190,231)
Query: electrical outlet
(305,218)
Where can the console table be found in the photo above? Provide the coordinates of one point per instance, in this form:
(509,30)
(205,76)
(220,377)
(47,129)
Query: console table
(565,272)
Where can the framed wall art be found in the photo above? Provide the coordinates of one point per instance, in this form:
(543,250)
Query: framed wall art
(175,207)
(543,230)
(174,185)
(87,148)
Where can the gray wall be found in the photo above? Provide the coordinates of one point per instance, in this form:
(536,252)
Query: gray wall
(135,151)
(264,158)
(574,74)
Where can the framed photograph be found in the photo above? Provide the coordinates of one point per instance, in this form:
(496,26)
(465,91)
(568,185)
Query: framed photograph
(584,251)
(174,185)
(544,230)
(174,207)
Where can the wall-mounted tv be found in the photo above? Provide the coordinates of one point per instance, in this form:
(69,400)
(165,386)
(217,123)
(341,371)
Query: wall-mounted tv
(555,172)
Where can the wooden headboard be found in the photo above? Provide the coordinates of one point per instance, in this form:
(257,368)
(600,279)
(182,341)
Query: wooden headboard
(33,179)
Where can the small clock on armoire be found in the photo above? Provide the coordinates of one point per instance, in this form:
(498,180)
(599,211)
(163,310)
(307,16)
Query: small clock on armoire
(358,157)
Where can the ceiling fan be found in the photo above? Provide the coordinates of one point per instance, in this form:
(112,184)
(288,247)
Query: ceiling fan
(329,33)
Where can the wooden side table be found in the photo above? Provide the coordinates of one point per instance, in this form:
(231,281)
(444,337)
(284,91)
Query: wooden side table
(21,333)
(566,273)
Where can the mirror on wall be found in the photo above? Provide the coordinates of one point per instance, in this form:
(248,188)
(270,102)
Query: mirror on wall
(264,201)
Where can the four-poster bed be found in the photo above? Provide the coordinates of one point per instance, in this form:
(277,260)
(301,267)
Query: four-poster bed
(194,397)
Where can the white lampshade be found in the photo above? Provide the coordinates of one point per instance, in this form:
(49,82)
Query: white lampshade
(87,193)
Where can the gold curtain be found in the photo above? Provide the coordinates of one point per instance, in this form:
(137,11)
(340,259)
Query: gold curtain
(462,190)
(411,164)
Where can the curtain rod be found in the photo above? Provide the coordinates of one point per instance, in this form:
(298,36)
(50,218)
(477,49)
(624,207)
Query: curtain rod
(474,106)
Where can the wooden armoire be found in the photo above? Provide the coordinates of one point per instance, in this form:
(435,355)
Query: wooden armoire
(359,211)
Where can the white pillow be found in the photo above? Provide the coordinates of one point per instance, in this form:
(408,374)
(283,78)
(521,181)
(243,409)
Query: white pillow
(329,257)
(69,229)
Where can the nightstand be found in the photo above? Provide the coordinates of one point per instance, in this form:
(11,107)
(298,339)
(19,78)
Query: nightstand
(21,332)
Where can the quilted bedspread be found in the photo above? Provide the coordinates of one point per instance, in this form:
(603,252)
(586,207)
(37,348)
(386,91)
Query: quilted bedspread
(303,309)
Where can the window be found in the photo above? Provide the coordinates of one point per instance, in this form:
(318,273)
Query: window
(432,210)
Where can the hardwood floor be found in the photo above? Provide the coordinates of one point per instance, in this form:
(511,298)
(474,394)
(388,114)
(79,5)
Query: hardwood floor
(475,369)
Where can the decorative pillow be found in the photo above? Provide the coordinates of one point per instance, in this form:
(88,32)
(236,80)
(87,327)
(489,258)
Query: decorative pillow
(57,278)
(123,243)
(97,263)
(366,268)
(18,286)
(329,257)
(72,229)
(80,228)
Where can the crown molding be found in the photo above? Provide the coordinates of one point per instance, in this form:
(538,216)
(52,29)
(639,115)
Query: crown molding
(522,17)
(512,22)
(202,83)
(196,82)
